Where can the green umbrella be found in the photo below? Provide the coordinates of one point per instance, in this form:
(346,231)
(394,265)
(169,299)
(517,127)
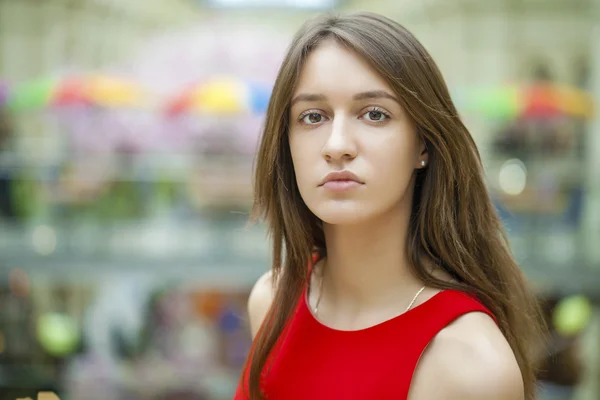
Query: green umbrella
(32,95)
(494,102)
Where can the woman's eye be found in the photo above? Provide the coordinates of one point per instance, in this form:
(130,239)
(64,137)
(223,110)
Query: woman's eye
(312,118)
(375,116)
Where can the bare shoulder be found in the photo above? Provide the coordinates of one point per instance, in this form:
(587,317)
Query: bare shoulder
(259,301)
(469,359)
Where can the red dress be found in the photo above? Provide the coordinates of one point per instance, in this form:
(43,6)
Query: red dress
(315,362)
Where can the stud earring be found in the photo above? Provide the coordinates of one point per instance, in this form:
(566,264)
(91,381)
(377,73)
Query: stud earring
(423,163)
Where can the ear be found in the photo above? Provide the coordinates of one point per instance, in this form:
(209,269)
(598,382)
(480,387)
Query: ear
(423,156)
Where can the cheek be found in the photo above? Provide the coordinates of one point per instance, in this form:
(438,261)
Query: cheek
(396,154)
(301,160)
(393,163)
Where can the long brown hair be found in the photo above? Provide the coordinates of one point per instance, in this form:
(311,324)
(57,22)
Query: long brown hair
(453,220)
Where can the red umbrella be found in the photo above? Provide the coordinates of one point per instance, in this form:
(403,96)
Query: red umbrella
(548,100)
(72,91)
(540,100)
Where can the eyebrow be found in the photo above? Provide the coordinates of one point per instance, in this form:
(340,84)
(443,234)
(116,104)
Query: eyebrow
(373,94)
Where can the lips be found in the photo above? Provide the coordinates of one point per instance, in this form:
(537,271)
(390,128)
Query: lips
(341,177)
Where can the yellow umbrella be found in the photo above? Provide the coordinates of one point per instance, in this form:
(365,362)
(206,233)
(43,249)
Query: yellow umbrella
(575,101)
(221,96)
(114,92)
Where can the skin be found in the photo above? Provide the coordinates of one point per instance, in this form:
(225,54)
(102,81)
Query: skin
(334,127)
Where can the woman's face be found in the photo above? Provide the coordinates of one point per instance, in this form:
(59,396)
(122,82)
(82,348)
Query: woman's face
(345,119)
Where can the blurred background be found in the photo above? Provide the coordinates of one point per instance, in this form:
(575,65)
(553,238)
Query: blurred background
(127,135)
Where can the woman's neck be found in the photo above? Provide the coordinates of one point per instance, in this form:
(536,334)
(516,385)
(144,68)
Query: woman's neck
(367,265)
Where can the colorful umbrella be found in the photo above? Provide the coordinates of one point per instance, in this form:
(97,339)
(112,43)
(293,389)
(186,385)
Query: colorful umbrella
(107,91)
(30,95)
(98,90)
(69,92)
(222,95)
(542,100)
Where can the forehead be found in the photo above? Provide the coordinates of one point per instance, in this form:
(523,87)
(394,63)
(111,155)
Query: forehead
(332,67)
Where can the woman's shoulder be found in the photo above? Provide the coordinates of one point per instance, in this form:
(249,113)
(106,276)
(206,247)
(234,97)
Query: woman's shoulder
(259,301)
(469,359)
(262,293)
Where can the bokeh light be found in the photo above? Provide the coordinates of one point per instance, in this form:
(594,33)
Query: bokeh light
(512,177)
(44,240)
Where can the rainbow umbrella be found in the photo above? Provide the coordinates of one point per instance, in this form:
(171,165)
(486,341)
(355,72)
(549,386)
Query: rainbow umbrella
(540,100)
(492,102)
(70,91)
(222,96)
(97,90)
(543,100)
(30,95)
(110,92)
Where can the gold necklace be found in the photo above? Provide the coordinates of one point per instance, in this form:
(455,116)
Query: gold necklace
(321,295)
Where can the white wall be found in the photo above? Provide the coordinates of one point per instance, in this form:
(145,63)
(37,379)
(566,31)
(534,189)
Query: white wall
(41,37)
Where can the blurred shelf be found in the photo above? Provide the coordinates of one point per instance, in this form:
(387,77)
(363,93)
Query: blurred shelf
(238,271)
(584,279)
(227,253)
(212,253)
(227,271)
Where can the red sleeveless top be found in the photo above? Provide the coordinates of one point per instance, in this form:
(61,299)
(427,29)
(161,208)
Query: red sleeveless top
(313,361)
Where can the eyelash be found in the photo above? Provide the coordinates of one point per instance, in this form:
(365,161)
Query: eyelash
(379,110)
(370,109)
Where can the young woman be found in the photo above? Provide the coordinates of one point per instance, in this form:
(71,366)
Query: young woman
(391,275)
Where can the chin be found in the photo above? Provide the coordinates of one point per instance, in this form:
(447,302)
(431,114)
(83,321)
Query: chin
(343,212)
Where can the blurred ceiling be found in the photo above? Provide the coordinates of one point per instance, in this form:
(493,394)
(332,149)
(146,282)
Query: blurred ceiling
(255,4)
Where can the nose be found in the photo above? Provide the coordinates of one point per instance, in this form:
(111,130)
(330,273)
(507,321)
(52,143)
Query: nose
(340,144)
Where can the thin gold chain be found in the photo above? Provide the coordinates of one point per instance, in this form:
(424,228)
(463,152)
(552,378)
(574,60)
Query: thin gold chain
(414,299)
(319,298)
(321,295)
